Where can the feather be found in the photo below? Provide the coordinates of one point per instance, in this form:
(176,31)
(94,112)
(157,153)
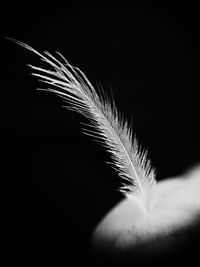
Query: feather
(106,124)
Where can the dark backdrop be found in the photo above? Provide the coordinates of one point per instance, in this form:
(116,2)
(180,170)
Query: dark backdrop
(57,186)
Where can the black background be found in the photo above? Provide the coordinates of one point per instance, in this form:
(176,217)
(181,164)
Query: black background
(55,183)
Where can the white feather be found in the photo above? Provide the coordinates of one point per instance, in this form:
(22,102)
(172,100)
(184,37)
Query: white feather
(108,126)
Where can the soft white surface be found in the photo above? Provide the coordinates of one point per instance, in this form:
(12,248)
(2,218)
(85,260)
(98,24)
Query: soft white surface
(175,207)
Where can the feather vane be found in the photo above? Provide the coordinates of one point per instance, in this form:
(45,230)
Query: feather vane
(106,123)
